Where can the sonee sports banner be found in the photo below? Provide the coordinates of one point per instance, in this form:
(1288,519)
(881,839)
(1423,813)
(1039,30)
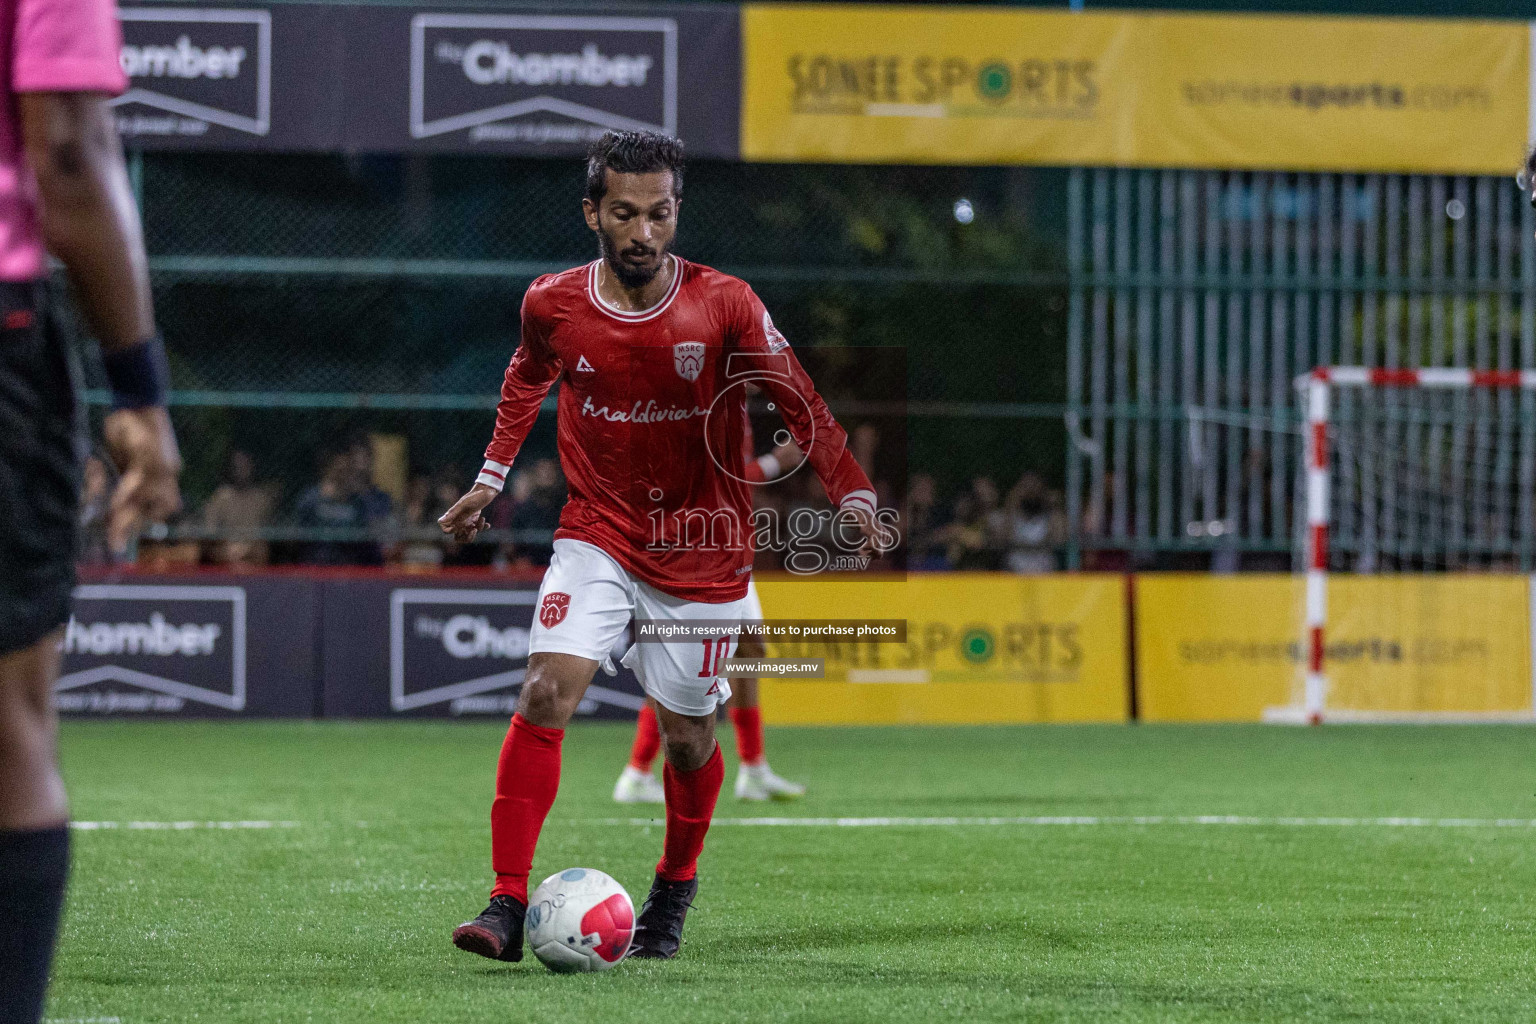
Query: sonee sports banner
(978,648)
(955,85)
(1229,648)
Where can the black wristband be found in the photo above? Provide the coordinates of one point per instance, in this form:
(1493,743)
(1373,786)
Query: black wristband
(138,375)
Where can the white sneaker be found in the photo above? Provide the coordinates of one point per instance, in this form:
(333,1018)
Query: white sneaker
(757,782)
(637,787)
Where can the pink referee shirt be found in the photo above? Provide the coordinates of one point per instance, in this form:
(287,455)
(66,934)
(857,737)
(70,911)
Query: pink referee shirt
(45,46)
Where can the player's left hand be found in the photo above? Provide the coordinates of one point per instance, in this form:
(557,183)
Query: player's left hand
(871,539)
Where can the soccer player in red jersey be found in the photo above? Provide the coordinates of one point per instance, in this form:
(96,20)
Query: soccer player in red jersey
(654,353)
(755,780)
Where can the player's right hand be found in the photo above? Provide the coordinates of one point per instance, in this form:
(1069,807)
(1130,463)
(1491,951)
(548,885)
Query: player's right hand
(143,445)
(464,520)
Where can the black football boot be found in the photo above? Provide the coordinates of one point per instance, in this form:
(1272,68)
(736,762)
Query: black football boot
(659,929)
(497,933)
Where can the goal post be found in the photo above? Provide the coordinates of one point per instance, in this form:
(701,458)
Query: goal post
(1416,529)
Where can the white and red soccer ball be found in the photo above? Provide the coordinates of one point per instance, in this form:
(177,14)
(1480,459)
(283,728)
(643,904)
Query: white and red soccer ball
(579,920)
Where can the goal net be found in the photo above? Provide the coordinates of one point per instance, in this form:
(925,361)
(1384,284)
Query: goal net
(1416,534)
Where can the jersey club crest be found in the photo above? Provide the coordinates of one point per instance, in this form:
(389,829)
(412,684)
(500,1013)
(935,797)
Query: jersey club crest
(776,341)
(552,611)
(688,359)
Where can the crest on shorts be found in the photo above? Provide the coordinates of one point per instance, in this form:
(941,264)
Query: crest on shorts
(688,359)
(776,341)
(553,608)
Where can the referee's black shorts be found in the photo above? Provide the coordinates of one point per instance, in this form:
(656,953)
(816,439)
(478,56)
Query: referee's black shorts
(41,453)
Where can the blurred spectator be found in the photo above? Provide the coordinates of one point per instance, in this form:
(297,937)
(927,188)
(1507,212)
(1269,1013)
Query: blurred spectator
(95,500)
(540,510)
(990,504)
(966,535)
(521,487)
(924,528)
(864,442)
(376,504)
(331,505)
(1036,526)
(238,509)
(499,515)
(865,445)
(974,535)
(422,549)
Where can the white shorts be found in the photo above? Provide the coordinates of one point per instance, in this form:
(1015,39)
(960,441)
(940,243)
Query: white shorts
(585,605)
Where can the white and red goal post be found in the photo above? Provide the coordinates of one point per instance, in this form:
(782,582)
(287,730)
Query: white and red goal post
(1429,472)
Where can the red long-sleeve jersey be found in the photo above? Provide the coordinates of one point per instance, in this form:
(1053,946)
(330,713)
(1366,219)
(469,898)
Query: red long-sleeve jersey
(753,473)
(651,422)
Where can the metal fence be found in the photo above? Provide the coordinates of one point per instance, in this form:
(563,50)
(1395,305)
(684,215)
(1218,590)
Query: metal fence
(1197,297)
(306,298)
(1132,335)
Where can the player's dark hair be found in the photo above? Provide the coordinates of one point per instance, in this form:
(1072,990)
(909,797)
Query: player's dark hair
(633,153)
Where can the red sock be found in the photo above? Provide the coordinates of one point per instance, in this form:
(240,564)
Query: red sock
(749,733)
(527,778)
(647,740)
(691,800)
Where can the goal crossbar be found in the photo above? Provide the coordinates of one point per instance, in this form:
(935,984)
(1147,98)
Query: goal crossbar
(1429,377)
(1316,388)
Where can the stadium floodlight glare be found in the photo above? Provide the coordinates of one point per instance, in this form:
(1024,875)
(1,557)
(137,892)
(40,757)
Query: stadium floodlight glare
(1417,471)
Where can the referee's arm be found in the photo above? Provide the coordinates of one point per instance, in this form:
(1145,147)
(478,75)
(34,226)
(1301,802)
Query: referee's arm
(90,222)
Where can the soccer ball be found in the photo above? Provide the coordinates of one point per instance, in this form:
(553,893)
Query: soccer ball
(579,920)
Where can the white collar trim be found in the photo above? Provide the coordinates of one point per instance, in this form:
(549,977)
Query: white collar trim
(642,315)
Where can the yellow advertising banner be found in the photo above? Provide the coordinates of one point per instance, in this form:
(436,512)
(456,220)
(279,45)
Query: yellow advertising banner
(955,85)
(1225,648)
(933,85)
(1319,94)
(981,647)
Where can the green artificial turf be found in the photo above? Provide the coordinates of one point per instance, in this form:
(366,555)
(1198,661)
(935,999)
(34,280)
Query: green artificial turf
(345,917)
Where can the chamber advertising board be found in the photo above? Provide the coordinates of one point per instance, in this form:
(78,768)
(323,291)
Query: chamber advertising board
(194,649)
(398,649)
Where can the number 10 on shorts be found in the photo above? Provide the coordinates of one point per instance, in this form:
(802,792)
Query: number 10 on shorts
(718,650)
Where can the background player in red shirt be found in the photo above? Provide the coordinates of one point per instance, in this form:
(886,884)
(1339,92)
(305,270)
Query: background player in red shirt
(654,354)
(755,780)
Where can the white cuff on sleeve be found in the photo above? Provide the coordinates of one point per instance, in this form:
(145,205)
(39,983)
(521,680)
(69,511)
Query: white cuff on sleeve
(770,466)
(864,498)
(493,475)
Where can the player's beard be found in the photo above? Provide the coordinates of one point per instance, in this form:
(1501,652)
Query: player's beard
(630,276)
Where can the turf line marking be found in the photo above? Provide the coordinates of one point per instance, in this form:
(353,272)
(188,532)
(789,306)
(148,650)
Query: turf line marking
(1097,820)
(177,826)
(948,822)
